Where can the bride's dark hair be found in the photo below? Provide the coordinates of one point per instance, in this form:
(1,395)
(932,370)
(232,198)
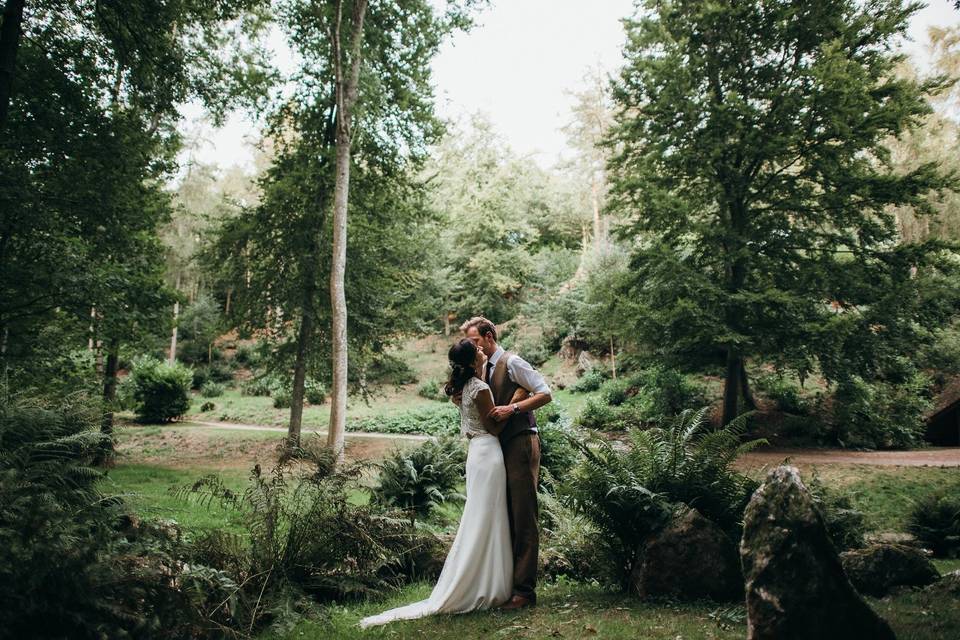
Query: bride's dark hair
(461,355)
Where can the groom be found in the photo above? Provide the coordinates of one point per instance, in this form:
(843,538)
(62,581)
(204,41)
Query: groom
(506,372)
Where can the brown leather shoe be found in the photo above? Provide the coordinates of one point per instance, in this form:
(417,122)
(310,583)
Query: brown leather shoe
(517,602)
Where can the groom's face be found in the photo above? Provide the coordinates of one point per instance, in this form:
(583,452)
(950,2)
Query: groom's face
(487,343)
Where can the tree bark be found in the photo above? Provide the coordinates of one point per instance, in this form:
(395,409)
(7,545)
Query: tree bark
(731,386)
(109,397)
(173,335)
(745,388)
(346,93)
(10,34)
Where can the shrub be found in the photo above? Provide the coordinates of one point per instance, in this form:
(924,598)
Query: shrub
(72,563)
(261,386)
(627,493)
(557,453)
(207,406)
(282,399)
(432,390)
(615,392)
(935,521)
(161,390)
(786,393)
(247,355)
(314,391)
(845,524)
(212,390)
(529,347)
(568,543)
(432,421)
(589,381)
(304,535)
(389,369)
(662,391)
(597,414)
(417,480)
(881,415)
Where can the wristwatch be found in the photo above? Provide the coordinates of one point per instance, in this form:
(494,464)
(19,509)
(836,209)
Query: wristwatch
(516,408)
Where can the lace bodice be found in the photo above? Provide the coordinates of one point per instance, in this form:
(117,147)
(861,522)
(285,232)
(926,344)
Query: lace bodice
(470,422)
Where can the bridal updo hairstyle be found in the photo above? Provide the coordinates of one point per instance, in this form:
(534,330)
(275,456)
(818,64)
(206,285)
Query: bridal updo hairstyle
(461,355)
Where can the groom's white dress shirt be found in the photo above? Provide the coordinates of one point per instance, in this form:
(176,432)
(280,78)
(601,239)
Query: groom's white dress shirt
(520,372)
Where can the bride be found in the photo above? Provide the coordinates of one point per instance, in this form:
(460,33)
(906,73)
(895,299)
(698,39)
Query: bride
(478,572)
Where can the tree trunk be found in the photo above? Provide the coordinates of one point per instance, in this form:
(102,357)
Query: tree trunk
(303,340)
(613,359)
(346,91)
(745,388)
(226,310)
(731,385)
(598,232)
(10,34)
(109,397)
(173,335)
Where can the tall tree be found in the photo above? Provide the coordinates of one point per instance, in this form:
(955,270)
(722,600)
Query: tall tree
(346,65)
(752,165)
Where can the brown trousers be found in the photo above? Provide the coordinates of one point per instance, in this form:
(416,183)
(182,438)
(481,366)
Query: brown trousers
(521,456)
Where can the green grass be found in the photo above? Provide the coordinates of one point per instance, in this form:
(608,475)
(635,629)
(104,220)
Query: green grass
(565,610)
(946,565)
(150,490)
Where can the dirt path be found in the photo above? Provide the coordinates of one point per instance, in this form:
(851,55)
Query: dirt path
(232,426)
(939,457)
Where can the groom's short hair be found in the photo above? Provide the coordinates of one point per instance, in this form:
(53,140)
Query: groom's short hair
(484,326)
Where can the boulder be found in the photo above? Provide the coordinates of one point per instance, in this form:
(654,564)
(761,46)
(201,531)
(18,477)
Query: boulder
(689,559)
(796,587)
(878,568)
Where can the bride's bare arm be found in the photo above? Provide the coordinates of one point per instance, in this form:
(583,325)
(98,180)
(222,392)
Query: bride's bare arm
(485,406)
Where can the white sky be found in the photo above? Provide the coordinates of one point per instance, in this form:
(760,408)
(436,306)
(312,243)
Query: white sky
(515,66)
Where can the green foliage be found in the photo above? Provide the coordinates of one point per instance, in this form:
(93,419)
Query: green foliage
(197,328)
(314,391)
(389,369)
(432,390)
(597,414)
(247,355)
(557,453)
(615,392)
(880,415)
(260,386)
(214,372)
(663,391)
(626,494)
(432,421)
(758,191)
(935,521)
(282,399)
(568,543)
(207,406)
(303,535)
(212,390)
(420,479)
(73,562)
(845,524)
(786,393)
(591,380)
(161,391)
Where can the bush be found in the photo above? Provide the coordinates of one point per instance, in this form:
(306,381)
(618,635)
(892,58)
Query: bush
(261,386)
(282,399)
(628,494)
(662,391)
(314,391)
(935,521)
(212,390)
(568,543)
(217,372)
(597,414)
(432,390)
(529,347)
(615,392)
(589,381)
(557,453)
(388,369)
(420,479)
(432,421)
(73,562)
(881,415)
(247,355)
(161,390)
(207,406)
(304,536)
(786,393)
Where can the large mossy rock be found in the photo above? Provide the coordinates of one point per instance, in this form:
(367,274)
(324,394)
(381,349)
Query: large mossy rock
(796,586)
(689,559)
(881,567)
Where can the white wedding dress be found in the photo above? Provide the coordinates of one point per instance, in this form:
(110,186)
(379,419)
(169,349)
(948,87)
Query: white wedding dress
(478,571)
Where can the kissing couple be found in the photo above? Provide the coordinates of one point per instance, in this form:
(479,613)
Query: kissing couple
(493,559)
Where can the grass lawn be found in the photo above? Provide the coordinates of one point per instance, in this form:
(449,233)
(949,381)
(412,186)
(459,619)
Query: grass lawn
(565,610)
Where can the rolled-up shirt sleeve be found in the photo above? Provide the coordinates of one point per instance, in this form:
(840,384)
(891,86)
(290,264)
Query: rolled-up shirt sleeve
(526,376)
